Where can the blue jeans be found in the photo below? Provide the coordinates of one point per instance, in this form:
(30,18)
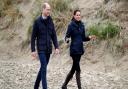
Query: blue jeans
(42,74)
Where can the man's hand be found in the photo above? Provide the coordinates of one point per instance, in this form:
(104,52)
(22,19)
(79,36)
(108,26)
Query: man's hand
(57,51)
(34,55)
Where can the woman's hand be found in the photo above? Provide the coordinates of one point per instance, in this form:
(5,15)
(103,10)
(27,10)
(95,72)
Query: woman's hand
(57,51)
(67,40)
(92,37)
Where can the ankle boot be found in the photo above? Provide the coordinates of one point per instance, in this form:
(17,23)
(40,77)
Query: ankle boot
(68,78)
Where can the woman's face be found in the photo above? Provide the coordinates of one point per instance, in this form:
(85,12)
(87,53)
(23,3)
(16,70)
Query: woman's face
(77,16)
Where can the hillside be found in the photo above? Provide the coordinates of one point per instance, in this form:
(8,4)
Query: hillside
(104,64)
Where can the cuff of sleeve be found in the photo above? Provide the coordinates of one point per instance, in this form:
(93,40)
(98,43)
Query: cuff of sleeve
(33,50)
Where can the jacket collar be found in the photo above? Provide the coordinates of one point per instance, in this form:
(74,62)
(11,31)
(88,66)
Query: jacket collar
(42,20)
(75,23)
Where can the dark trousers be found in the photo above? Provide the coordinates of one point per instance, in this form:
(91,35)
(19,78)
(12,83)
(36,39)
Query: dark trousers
(76,63)
(44,59)
(75,68)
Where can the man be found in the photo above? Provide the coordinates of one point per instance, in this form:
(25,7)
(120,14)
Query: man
(43,35)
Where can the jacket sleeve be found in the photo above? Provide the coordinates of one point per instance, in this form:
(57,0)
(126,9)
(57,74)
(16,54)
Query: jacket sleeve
(34,36)
(84,37)
(68,33)
(54,37)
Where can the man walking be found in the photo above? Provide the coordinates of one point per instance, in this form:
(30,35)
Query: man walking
(43,35)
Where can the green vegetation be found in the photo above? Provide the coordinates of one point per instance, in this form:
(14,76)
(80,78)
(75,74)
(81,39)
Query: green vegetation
(109,33)
(104,31)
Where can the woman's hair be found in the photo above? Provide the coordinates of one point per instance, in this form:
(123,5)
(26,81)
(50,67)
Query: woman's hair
(75,11)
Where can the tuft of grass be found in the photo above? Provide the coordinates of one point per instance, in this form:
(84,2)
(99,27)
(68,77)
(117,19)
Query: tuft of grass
(61,14)
(110,31)
(115,46)
(8,6)
(95,30)
(104,31)
(8,9)
(59,5)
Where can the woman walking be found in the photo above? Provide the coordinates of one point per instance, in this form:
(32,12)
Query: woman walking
(77,33)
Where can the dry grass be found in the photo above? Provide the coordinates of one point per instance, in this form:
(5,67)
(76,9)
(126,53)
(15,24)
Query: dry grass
(61,13)
(9,9)
(26,42)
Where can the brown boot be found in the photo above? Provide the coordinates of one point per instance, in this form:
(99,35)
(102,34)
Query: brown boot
(68,78)
(78,80)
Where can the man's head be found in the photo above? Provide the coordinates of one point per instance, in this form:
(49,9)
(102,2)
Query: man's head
(46,9)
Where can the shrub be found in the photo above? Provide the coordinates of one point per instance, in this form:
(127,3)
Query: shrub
(104,30)
(110,31)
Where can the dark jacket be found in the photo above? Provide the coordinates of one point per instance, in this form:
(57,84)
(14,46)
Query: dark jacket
(76,31)
(43,34)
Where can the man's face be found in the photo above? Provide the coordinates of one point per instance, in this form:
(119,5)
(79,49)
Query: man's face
(47,10)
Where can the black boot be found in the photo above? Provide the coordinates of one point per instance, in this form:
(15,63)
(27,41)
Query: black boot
(78,80)
(68,78)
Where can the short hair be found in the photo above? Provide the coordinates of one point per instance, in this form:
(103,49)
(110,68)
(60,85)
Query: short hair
(45,5)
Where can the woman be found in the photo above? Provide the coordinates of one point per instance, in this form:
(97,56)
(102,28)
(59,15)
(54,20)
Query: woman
(77,33)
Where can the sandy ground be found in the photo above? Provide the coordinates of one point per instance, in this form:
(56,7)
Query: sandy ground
(21,74)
